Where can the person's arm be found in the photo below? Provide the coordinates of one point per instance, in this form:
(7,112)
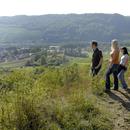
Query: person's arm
(100,63)
(126,61)
(113,58)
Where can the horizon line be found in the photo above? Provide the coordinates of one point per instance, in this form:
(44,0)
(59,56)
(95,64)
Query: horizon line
(61,14)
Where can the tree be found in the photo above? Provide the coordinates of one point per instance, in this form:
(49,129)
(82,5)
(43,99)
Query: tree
(43,60)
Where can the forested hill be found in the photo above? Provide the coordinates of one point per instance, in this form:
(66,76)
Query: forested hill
(64,28)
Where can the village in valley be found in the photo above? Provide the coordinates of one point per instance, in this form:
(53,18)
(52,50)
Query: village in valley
(35,56)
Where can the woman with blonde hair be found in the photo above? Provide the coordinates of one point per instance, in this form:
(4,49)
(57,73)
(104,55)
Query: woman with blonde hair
(113,66)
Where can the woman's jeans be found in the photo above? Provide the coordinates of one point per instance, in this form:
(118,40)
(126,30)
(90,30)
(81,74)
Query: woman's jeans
(113,69)
(121,78)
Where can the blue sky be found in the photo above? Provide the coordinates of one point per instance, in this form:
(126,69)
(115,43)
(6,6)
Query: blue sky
(39,7)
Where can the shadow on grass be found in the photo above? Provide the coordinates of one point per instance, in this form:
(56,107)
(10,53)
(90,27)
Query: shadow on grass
(128,90)
(125,104)
(125,95)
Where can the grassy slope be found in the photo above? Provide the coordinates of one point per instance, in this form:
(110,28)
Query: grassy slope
(14,64)
(60,99)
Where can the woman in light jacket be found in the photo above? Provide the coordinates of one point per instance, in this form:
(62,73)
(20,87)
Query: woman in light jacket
(123,67)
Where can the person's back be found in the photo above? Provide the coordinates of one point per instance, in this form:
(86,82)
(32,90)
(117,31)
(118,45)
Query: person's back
(97,55)
(114,66)
(124,60)
(97,58)
(114,57)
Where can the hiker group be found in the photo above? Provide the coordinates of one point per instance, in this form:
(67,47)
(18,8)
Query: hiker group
(117,66)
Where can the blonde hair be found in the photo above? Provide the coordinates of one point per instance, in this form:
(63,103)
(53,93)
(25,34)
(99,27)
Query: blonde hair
(114,45)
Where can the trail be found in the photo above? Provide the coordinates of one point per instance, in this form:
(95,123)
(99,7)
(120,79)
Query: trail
(119,104)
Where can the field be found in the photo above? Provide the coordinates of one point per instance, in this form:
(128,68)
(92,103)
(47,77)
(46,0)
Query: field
(61,98)
(14,64)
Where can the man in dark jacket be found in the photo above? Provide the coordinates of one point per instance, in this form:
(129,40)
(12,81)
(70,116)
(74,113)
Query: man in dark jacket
(97,58)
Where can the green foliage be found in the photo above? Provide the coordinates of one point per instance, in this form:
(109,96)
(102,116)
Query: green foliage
(71,74)
(98,85)
(26,115)
(43,60)
(42,99)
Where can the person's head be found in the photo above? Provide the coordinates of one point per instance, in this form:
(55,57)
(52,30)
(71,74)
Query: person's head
(114,45)
(124,50)
(94,44)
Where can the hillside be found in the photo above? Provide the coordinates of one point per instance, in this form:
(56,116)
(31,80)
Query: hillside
(73,28)
(63,98)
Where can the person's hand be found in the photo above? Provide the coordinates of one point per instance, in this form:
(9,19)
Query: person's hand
(110,61)
(91,65)
(96,67)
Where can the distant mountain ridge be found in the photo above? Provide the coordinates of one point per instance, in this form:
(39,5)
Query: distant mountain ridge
(64,28)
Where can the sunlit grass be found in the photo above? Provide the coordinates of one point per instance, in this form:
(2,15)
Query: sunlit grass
(55,98)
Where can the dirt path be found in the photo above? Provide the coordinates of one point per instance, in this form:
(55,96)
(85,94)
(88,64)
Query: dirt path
(119,104)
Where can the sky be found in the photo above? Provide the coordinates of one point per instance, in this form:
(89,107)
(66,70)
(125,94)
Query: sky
(40,7)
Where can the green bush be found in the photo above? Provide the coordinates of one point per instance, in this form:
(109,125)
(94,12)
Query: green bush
(39,99)
(97,85)
(26,115)
(71,74)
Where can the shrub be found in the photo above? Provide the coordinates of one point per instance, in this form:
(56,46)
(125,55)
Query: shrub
(97,85)
(39,100)
(71,74)
(26,115)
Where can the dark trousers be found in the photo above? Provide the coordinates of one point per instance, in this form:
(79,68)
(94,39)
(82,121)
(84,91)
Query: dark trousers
(112,70)
(95,71)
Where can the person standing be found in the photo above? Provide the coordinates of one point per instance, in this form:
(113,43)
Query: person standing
(97,58)
(113,67)
(123,67)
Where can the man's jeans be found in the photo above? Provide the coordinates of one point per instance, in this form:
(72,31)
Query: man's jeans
(121,78)
(113,69)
